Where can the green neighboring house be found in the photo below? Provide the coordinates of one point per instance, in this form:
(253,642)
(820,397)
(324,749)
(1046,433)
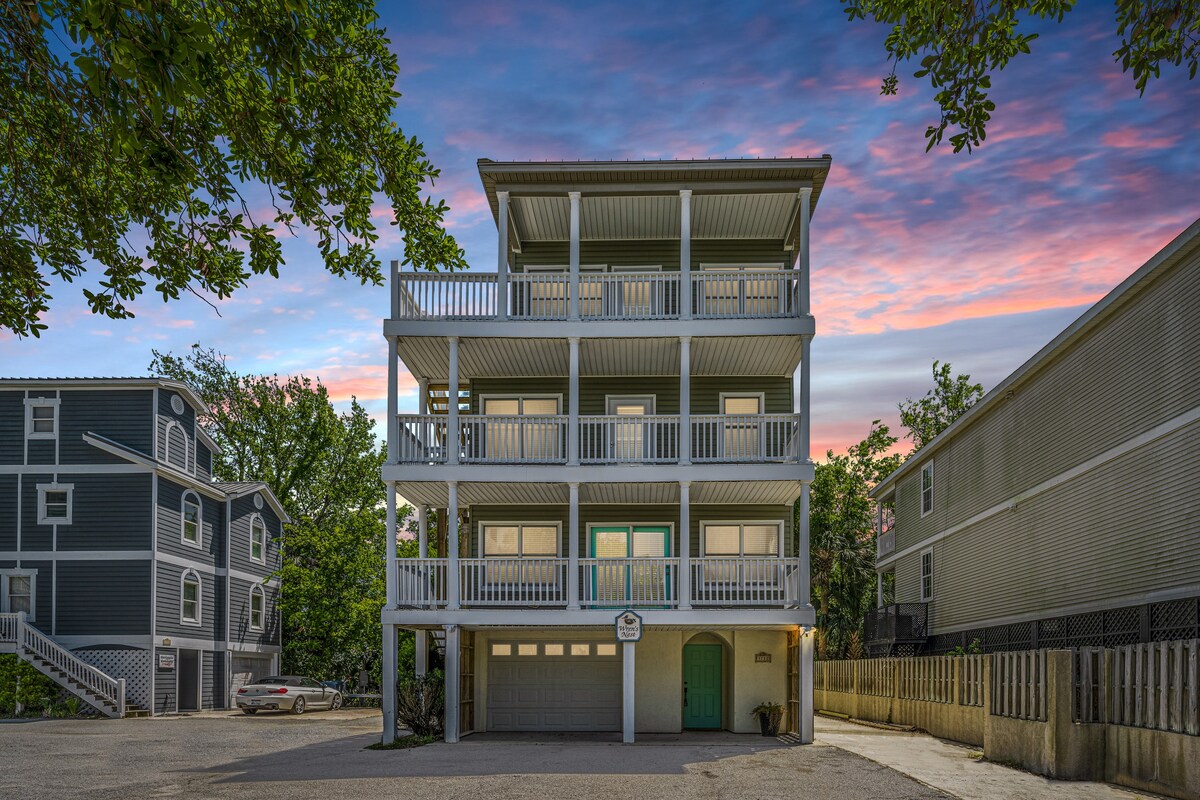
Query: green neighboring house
(618,418)
(1062,510)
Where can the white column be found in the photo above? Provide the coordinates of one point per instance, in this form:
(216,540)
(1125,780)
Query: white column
(573,289)
(389,683)
(393,402)
(685,545)
(421,645)
(453,668)
(452,574)
(805,690)
(422,409)
(393,280)
(573,548)
(685,400)
(627,692)
(573,403)
(879,590)
(452,432)
(502,258)
(803,263)
(685,253)
(391,572)
(802,553)
(805,400)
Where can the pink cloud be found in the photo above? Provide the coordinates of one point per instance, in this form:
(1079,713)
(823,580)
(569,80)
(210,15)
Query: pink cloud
(1132,138)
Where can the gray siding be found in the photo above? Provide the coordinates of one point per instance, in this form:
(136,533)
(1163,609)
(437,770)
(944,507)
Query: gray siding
(41,451)
(33,535)
(12,427)
(169,589)
(165,682)
(210,553)
(1102,539)
(203,462)
(103,598)
(186,420)
(208,661)
(239,539)
(121,415)
(8,512)
(43,593)
(109,512)
(239,614)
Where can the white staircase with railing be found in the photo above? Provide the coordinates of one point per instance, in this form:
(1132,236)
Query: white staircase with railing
(104,693)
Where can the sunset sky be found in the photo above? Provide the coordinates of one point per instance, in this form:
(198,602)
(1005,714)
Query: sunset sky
(977,259)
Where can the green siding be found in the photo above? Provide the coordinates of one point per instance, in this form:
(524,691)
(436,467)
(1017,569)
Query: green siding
(706,391)
(650,252)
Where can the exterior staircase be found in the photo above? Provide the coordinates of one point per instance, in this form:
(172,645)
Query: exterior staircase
(102,692)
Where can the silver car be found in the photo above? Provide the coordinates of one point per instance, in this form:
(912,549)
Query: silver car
(293,693)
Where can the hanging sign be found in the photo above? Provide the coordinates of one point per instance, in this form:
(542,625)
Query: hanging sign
(629,627)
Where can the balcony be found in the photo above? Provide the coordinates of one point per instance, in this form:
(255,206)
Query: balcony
(601,583)
(885,544)
(897,629)
(651,439)
(611,296)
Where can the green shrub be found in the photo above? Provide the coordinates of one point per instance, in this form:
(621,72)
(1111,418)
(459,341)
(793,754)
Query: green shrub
(21,683)
(421,704)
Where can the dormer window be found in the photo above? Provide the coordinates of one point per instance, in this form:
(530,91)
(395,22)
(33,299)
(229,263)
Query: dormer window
(41,418)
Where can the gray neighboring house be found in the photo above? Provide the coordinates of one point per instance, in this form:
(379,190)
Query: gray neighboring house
(1061,510)
(121,550)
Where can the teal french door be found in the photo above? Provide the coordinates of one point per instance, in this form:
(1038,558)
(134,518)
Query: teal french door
(626,582)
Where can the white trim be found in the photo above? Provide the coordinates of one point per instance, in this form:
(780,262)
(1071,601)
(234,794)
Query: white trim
(183,502)
(522,397)
(11,572)
(209,570)
(743,266)
(762,401)
(74,469)
(556,524)
(42,488)
(1142,439)
(183,580)
(41,402)
(262,559)
(76,555)
(926,468)
(782,524)
(670,526)
(257,590)
(653,398)
(250,647)
(261,580)
(926,597)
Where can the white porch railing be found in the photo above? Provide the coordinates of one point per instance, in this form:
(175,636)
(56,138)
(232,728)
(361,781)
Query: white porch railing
(623,582)
(495,439)
(749,294)
(513,581)
(885,544)
(765,581)
(422,439)
(421,582)
(745,438)
(652,439)
(445,295)
(32,644)
(732,294)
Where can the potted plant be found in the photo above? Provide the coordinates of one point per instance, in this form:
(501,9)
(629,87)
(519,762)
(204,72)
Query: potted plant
(769,716)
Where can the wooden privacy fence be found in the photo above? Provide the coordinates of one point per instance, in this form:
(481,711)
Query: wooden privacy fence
(1019,685)
(1154,686)
(930,679)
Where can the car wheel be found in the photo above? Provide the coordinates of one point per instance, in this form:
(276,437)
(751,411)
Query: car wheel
(336,703)
(298,706)
(249,710)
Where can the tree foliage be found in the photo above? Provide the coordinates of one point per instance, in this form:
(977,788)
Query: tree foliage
(325,469)
(842,540)
(949,399)
(132,132)
(962,44)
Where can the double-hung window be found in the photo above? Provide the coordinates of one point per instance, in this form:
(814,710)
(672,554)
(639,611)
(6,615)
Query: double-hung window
(526,428)
(926,576)
(189,598)
(18,592)
(745,545)
(514,542)
(257,608)
(927,488)
(41,418)
(54,503)
(258,539)
(191,519)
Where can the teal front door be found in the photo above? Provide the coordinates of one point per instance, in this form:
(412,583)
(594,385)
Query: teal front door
(702,686)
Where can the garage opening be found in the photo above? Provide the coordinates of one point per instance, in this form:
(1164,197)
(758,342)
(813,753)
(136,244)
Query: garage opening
(244,670)
(554,686)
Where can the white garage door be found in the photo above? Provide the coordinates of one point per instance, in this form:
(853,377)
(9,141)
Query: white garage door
(245,670)
(554,686)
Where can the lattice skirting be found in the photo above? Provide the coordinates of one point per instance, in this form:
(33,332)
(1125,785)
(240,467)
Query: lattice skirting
(130,663)
(1114,627)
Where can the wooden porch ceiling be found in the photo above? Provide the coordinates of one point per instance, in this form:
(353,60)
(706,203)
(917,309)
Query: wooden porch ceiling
(435,493)
(429,356)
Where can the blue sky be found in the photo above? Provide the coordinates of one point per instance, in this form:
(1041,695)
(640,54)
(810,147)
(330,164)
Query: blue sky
(977,259)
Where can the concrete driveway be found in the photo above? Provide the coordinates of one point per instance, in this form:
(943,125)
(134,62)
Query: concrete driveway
(322,755)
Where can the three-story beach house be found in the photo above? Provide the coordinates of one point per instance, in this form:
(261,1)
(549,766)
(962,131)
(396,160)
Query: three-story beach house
(616,419)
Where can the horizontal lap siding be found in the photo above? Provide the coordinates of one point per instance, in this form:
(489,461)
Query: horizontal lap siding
(123,415)
(170,521)
(652,252)
(239,539)
(777,391)
(509,387)
(1140,368)
(208,662)
(12,427)
(43,593)
(1106,537)
(203,462)
(33,535)
(593,391)
(165,682)
(166,414)
(109,512)
(239,614)
(8,512)
(169,590)
(109,598)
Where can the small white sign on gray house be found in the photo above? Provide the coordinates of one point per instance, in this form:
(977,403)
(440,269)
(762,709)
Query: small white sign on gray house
(629,627)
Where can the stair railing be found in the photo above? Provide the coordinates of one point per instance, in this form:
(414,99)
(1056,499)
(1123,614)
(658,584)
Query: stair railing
(76,669)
